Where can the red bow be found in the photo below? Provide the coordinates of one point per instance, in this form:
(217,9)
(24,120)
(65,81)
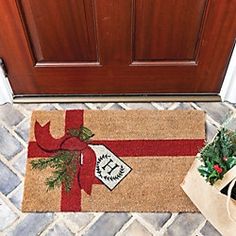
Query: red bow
(86,170)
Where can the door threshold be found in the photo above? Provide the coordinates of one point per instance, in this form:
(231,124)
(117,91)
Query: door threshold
(106,98)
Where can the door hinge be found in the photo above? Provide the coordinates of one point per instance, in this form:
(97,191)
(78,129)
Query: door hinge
(3,67)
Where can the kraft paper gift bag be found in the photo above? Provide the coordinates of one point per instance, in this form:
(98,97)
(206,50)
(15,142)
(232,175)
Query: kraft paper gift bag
(218,208)
(228,183)
(211,181)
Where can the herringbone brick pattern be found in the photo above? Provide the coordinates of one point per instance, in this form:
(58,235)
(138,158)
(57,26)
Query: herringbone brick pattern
(14,124)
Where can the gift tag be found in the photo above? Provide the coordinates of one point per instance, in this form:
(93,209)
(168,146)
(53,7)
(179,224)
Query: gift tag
(110,169)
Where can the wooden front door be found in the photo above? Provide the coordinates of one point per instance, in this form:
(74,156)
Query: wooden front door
(116,46)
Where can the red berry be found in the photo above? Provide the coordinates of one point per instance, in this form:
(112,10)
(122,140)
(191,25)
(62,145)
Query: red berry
(218,168)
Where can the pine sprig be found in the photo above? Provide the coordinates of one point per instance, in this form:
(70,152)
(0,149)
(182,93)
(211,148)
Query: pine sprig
(219,156)
(64,164)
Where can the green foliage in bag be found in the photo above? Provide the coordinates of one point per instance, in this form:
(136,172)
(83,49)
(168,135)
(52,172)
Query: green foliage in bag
(219,156)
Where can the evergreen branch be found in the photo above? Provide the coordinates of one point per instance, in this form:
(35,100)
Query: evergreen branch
(64,164)
(41,163)
(218,156)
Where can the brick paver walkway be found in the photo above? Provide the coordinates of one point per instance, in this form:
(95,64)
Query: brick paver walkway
(14,125)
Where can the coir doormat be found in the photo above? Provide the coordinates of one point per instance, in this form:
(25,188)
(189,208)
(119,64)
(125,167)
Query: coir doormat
(111,160)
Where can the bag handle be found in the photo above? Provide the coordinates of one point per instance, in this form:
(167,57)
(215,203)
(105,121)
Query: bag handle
(229,199)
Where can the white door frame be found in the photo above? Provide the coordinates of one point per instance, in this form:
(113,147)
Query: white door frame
(228,90)
(6,94)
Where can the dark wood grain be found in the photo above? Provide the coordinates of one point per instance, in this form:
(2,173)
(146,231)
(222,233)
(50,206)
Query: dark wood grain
(60,31)
(167,30)
(79,71)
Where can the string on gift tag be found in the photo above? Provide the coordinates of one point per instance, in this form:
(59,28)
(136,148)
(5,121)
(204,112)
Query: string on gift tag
(81,159)
(229,200)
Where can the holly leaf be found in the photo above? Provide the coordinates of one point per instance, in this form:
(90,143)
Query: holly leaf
(214,153)
(204,171)
(213,177)
(210,164)
(85,133)
(74,132)
(231,162)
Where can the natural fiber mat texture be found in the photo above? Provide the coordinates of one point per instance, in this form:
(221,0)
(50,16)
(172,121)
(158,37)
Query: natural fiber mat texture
(135,161)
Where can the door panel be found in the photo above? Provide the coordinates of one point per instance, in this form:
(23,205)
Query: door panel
(167,30)
(68,36)
(116,46)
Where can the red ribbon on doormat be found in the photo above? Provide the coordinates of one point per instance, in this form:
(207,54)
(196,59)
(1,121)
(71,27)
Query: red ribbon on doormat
(46,146)
(86,172)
